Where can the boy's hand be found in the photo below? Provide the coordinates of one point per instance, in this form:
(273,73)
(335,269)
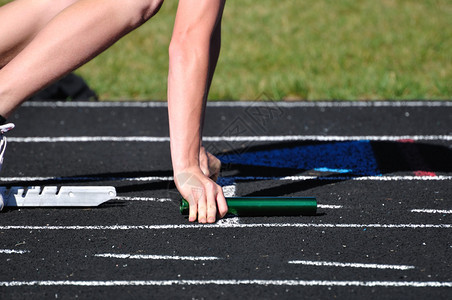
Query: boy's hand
(205,197)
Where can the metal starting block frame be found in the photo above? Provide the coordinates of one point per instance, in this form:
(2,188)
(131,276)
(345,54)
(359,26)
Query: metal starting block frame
(52,196)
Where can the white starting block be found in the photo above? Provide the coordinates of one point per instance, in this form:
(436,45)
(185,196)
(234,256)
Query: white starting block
(51,196)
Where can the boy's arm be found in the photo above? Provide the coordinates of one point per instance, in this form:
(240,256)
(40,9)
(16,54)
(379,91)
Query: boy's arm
(188,84)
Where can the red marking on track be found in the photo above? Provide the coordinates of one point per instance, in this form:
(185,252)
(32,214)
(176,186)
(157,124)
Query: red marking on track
(424,173)
(406,141)
(414,157)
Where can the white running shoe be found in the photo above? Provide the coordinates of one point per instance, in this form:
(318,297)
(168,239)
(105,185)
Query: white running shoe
(3,129)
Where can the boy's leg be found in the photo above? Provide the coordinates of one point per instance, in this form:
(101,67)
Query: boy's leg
(21,20)
(70,39)
(3,129)
(74,36)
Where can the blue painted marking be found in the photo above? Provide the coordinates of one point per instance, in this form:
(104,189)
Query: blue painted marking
(354,157)
(323,169)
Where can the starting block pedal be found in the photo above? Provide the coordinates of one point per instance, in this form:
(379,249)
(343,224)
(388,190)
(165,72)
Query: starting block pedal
(52,196)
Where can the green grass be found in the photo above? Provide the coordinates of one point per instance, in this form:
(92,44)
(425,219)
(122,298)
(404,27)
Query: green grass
(310,50)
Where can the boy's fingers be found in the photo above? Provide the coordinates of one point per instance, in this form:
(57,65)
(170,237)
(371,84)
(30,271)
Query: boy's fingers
(195,199)
(222,205)
(211,207)
(192,213)
(201,200)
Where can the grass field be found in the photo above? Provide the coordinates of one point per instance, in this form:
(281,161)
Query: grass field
(310,49)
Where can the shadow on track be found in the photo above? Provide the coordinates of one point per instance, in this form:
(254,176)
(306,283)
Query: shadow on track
(344,160)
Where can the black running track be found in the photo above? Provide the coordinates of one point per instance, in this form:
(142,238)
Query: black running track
(381,173)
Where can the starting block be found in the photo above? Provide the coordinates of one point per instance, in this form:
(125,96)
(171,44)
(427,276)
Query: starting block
(52,196)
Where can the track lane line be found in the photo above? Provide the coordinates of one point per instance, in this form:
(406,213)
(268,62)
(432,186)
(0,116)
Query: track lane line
(10,251)
(219,282)
(237,178)
(276,138)
(156,257)
(228,225)
(432,211)
(350,265)
(150,199)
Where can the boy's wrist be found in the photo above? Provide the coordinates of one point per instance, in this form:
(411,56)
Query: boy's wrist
(181,166)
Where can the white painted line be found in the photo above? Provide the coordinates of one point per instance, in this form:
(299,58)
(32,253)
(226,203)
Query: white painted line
(276,138)
(338,283)
(328,104)
(342,178)
(326,206)
(244,104)
(150,199)
(229,190)
(228,225)
(83,139)
(327,138)
(238,178)
(156,257)
(402,178)
(87,178)
(432,211)
(350,265)
(8,251)
(106,104)
(227,222)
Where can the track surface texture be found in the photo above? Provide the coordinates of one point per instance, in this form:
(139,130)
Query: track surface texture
(381,173)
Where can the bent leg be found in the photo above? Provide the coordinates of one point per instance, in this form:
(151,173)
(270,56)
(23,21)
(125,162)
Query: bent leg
(69,40)
(21,20)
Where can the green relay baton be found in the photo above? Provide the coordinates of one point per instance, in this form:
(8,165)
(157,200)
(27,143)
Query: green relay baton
(265,206)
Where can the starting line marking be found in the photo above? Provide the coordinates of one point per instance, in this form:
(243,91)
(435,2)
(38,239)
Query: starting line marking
(327,206)
(432,211)
(8,251)
(358,178)
(151,199)
(281,138)
(351,265)
(156,257)
(338,283)
(228,225)
(238,178)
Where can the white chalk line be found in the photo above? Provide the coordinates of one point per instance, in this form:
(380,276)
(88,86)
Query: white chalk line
(432,211)
(227,225)
(350,265)
(217,139)
(82,139)
(237,178)
(327,206)
(226,222)
(229,190)
(8,251)
(357,178)
(330,138)
(229,282)
(150,199)
(151,104)
(341,178)
(86,178)
(157,257)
